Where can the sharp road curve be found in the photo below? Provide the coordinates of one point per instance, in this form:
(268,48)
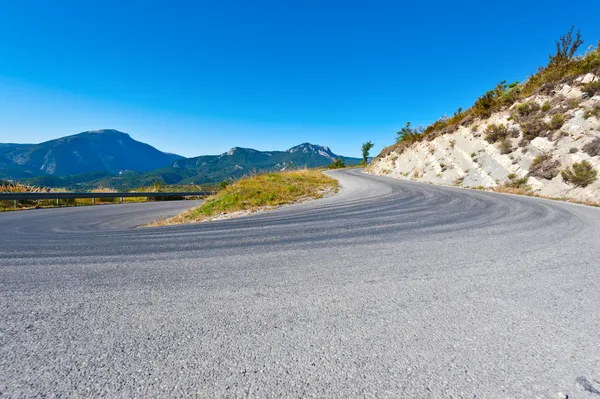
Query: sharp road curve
(387,289)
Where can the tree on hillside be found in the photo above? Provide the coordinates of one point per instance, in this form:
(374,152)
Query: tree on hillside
(408,134)
(566,48)
(366,147)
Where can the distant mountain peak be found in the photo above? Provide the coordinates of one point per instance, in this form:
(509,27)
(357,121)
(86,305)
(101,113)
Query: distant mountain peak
(236,150)
(106,132)
(308,148)
(104,150)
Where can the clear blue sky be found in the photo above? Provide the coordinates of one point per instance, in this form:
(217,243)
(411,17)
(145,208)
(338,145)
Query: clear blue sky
(199,77)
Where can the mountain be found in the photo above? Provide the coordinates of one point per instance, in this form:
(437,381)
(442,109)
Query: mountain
(238,162)
(232,164)
(107,151)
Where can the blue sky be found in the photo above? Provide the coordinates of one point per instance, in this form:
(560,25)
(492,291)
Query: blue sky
(199,77)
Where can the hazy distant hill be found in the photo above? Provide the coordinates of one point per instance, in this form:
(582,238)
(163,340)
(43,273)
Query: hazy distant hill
(107,151)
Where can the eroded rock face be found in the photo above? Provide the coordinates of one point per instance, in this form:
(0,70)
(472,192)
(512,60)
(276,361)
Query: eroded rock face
(465,158)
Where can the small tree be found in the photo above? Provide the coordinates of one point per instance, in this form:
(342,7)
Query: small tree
(566,48)
(408,134)
(366,147)
(405,131)
(337,164)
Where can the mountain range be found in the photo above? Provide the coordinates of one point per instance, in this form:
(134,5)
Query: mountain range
(109,158)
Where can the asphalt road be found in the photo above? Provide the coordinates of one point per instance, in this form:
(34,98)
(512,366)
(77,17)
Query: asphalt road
(388,289)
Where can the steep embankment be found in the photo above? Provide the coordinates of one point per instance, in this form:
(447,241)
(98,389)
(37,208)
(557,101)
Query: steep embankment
(530,138)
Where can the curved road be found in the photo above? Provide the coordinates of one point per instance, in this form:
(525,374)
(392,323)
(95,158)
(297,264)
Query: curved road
(388,289)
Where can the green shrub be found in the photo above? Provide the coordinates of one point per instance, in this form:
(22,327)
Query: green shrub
(223,184)
(592,88)
(546,106)
(495,133)
(514,182)
(594,111)
(527,108)
(337,164)
(533,128)
(581,174)
(557,121)
(572,103)
(544,167)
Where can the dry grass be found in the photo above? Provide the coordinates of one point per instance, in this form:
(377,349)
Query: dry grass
(528,193)
(262,191)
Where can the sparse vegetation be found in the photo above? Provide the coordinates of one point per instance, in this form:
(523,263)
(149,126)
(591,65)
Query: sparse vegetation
(506,146)
(527,108)
(557,121)
(580,174)
(592,88)
(533,128)
(546,106)
(258,192)
(544,167)
(593,147)
(495,133)
(515,182)
(572,103)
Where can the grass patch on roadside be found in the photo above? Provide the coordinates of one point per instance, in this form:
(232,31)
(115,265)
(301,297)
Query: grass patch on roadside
(262,191)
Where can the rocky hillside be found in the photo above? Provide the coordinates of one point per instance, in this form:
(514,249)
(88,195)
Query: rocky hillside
(541,136)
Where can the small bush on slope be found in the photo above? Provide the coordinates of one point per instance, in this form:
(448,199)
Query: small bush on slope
(592,88)
(594,111)
(544,167)
(593,147)
(506,146)
(515,182)
(557,121)
(533,128)
(581,174)
(495,133)
(528,108)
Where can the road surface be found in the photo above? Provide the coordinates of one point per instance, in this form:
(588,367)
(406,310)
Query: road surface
(388,289)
